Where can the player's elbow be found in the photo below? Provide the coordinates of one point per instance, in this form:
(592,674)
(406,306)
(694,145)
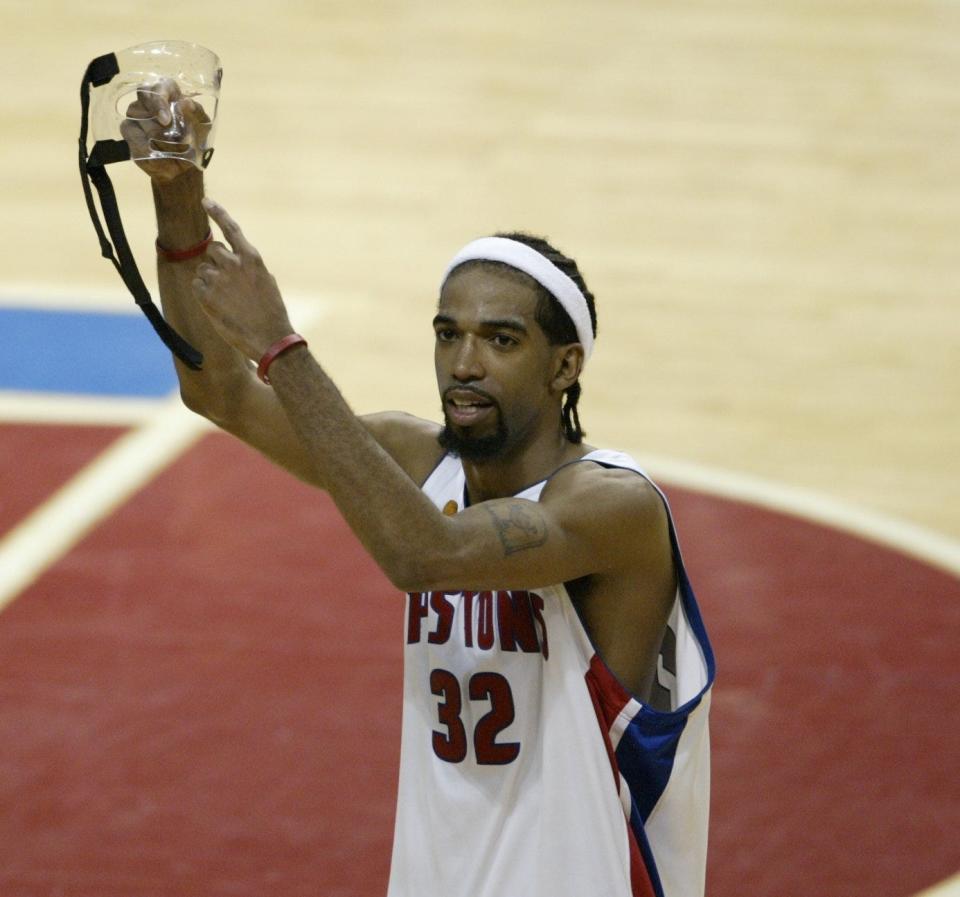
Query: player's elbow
(213,397)
(199,402)
(193,400)
(422,572)
(429,557)
(407,575)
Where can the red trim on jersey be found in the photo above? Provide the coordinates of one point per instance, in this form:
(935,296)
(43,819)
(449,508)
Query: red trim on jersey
(607,706)
(609,698)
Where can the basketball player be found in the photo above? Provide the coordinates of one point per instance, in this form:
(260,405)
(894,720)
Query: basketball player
(557,672)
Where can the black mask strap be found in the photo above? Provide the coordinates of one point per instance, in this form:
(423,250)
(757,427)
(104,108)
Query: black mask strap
(92,169)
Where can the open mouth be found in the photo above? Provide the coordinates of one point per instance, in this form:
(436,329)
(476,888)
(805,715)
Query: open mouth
(465,407)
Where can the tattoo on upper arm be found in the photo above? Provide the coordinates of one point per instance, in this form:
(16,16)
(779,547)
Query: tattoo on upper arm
(519,524)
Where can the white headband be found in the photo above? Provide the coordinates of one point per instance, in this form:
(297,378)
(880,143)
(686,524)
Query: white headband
(524,258)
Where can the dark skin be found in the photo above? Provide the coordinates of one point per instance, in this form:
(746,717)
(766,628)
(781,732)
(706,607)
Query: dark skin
(493,361)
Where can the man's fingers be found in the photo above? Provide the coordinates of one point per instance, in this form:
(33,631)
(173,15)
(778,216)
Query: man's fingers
(193,111)
(150,105)
(136,110)
(130,130)
(231,230)
(155,99)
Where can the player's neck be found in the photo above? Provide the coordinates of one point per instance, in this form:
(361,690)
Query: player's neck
(513,472)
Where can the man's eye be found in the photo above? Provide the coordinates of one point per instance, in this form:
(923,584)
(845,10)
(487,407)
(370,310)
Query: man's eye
(445,335)
(504,341)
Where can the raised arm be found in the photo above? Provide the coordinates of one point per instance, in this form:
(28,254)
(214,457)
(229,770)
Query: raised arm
(227,391)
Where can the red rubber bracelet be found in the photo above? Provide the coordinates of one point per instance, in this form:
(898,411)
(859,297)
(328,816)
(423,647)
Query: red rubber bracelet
(276,350)
(181,255)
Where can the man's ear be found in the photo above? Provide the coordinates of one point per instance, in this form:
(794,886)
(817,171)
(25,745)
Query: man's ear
(568,363)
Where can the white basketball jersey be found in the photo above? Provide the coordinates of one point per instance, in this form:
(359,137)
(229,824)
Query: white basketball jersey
(526,769)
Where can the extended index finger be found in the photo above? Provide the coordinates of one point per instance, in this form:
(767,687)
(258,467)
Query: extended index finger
(231,230)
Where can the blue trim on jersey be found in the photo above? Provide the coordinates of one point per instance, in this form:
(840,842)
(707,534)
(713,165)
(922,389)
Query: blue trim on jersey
(687,597)
(645,756)
(690,605)
(648,859)
(83,353)
(647,750)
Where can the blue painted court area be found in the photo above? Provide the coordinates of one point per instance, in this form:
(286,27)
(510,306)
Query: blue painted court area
(83,353)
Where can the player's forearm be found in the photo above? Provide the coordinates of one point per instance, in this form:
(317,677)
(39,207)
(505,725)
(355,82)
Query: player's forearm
(499,544)
(182,223)
(396,522)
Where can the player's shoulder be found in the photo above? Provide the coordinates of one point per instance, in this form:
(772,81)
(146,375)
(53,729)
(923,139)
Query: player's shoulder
(411,441)
(615,494)
(617,510)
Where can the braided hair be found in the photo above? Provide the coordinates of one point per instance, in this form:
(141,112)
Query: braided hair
(557,325)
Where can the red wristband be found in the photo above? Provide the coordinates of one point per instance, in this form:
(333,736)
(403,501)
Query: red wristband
(276,350)
(181,255)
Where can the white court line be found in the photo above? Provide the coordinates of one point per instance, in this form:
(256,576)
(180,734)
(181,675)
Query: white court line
(948,888)
(929,546)
(54,408)
(55,297)
(54,527)
(115,300)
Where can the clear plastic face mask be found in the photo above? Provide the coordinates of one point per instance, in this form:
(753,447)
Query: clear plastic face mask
(163,102)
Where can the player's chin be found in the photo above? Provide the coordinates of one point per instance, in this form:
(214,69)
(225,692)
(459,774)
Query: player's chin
(474,443)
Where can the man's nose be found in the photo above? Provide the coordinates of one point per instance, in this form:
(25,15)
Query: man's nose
(467,364)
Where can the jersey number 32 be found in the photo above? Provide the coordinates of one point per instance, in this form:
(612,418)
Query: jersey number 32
(451,745)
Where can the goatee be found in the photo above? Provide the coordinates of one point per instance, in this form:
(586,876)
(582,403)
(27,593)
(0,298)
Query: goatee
(473,448)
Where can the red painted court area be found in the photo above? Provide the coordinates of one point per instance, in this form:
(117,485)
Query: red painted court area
(35,461)
(203,697)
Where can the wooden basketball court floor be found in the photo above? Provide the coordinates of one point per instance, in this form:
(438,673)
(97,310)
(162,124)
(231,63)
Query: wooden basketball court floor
(764,198)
